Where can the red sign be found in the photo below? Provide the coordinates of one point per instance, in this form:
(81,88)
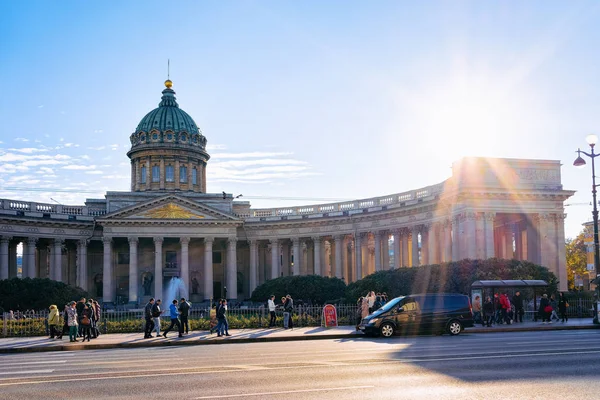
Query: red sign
(330,316)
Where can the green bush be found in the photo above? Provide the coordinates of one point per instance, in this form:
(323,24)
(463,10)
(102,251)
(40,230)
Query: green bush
(453,277)
(36,294)
(317,289)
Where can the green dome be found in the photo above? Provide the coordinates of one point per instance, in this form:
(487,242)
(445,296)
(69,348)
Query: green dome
(168,124)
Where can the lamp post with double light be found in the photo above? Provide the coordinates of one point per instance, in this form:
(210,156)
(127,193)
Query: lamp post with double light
(580,162)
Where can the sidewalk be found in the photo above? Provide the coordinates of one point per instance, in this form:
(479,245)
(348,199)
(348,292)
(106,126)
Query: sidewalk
(135,340)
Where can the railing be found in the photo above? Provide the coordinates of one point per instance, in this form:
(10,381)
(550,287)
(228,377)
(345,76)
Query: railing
(46,208)
(129,321)
(387,200)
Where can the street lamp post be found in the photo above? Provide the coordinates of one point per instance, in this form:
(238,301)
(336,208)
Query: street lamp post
(580,162)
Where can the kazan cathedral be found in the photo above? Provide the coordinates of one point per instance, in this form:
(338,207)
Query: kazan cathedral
(170,232)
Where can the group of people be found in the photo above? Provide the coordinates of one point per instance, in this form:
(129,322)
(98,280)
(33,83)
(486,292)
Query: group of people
(287,305)
(178,312)
(503,310)
(80,319)
(368,304)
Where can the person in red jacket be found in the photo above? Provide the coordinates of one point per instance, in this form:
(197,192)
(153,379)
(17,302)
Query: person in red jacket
(505,304)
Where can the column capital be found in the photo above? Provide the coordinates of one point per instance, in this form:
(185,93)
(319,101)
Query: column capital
(296,241)
(232,239)
(5,239)
(33,240)
(59,242)
(209,239)
(338,238)
(133,240)
(106,239)
(158,239)
(184,240)
(274,241)
(253,242)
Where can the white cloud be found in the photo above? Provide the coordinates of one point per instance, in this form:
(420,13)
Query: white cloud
(45,170)
(97,148)
(94,172)
(262,161)
(20,139)
(98,131)
(255,154)
(85,157)
(216,147)
(116,177)
(12,168)
(41,106)
(79,167)
(29,150)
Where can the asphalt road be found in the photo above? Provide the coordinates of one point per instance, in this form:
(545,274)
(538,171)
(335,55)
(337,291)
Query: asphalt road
(521,365)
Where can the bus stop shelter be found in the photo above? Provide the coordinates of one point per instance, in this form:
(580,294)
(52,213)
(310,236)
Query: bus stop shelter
(500,286)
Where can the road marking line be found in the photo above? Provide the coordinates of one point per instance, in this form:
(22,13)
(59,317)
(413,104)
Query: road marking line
(32,363)
(37,371)
(284,392)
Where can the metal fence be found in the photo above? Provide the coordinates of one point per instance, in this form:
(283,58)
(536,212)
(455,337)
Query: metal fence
(129,321)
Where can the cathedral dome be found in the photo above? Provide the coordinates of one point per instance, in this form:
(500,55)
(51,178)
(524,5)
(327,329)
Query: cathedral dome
(168,124)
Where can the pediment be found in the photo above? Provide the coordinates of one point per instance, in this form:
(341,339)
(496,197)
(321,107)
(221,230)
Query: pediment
(170,207)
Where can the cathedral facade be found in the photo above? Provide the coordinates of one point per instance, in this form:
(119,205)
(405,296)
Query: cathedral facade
(169,236)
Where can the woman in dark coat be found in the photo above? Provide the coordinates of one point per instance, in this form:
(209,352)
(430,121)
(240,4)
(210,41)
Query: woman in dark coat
(562,307)
(488,312)
(544,314)
(86,322)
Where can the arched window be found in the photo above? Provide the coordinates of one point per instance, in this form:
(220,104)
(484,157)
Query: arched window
(155,173)
(170,173)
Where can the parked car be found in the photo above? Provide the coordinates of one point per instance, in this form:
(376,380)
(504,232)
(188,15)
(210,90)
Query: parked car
(432,313)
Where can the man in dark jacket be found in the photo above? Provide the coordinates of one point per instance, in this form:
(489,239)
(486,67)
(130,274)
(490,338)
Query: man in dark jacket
(517,301)
(184,310)
(288,308)
(148,316)
(79,307)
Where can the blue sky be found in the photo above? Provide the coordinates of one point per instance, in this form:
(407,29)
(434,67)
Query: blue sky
(317,100)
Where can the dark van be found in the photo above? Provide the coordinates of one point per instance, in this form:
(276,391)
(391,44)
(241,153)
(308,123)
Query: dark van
(432,313)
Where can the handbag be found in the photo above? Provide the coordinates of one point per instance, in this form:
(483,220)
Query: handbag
(548,309)
(566,304)
(85,320)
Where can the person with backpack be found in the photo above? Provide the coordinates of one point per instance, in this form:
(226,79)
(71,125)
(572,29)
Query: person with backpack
(184,310)
(149,327)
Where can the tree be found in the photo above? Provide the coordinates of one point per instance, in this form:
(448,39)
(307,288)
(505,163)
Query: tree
(576,258)
(36,294)
(317,289)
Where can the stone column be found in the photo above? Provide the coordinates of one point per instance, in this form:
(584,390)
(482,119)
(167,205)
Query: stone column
(518,232)
(404,239)
(232,267)
(4,260)
(447,241)
(549,250)
(253,279)
(339,244)
(508,242)
(285,253)
(562,252)
(489,234)
(345,267)
(177,177)
(31,246)
(158,269)
(107,276)
(325,260)
(275,258)
(296,250)
(208,268)
(455,238)
(352,261)
(82,264)
(185,265)
(377,250)
(397,246)
(136,175)
(385,250)
(133,269)
(533,238)
(358,239)
(148,174)
(430,241)
(163,178)
(415,246)
(317,255)
(58,243)
(190,167)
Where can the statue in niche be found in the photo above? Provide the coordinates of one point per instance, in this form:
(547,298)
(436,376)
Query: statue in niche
(147,279)
(195,285)
(99,285)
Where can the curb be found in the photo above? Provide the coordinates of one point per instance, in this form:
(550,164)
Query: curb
(198,342)
(214,341)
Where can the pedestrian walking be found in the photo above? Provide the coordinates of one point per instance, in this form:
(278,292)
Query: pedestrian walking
(148,316)
(222,325)
(517,301)
(371,300)
(272,308)
(174,312)
(184,311)
(554,305)
(96,328)
(359,313)
(488,312)
(54,322)
(72,322)
(545,309)
(79,307)
(505,308)
(86,321)
(288,310)
(562,307)
(477,310)
(156,313)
